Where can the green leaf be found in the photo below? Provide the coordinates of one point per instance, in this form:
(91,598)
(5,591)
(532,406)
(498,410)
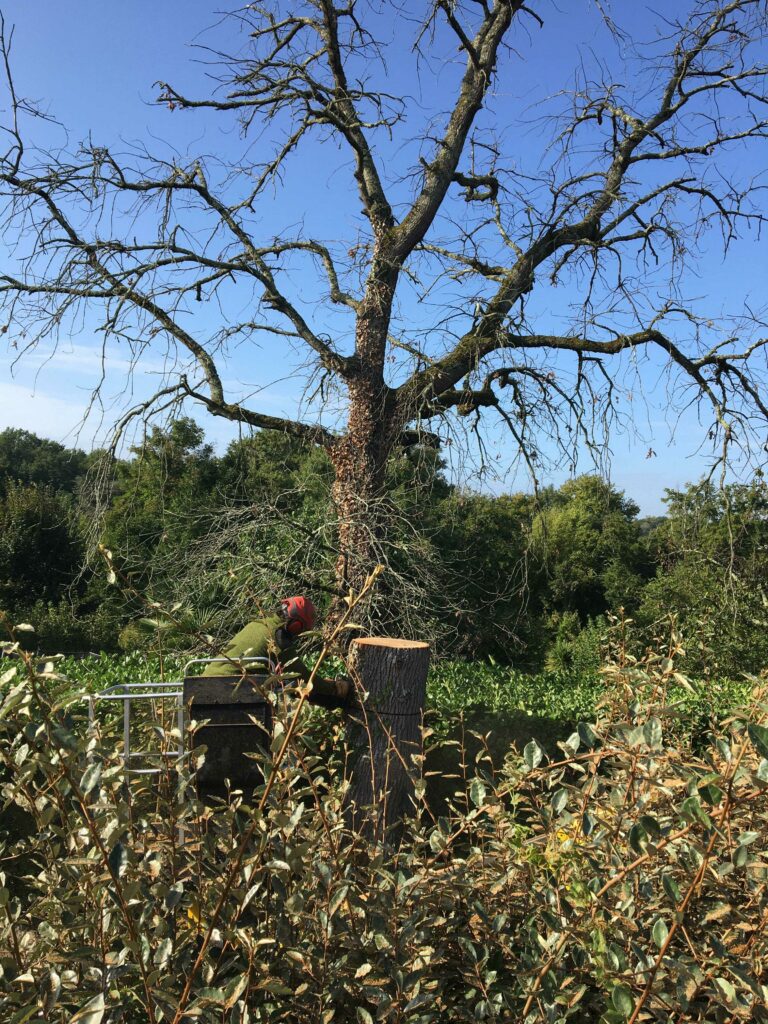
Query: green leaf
(762,770)
(363,1016)
(559,800)
(118,859)
(727,989)
(691,808)
(533,754)
(671,888)
(174,894)
(747,838)
(587,734)
(234,990)
(337,900)
(660,932)
(740,856)
(295,903)
(91,777)
(759,736)
(91,1013)
(623,1000)
(477,792)
(711,794)
(651,825)
(638,838)
(210,996)
(163,952)
(652,733)
(437,841)
(278,865)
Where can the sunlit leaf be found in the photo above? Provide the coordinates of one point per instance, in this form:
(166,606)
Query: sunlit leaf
(90,779)
(559,800)
(587,734)
(477,792)
(759,736)
(638,838)
(660,932)
(622,999)
(91,1013)
(118,859)
(652,733)
(671,888)
(533,754)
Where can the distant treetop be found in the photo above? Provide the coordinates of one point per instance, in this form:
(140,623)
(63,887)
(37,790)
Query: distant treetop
(29,459)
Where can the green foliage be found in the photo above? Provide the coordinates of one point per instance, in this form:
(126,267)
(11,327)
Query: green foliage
(587,540)
(160,498)
(712,553)
(28,459)
(459,685)
(97,672)
(574,649)
(619,878)
(68,626)
(272,467)
(527,581)
(492,595)
(40,550)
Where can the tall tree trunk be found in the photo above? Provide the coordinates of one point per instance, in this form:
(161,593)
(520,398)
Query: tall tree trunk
(359,460)
(360,457)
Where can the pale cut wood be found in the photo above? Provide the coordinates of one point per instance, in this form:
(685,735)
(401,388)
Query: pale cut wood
(384,730)
(389,641)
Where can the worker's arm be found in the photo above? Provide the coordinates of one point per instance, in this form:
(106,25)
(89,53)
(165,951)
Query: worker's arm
(330,693)
(326,693)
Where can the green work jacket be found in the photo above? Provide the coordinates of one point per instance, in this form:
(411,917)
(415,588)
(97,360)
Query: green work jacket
(259,639)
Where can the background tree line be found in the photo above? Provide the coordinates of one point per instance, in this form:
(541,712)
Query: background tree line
(526,579)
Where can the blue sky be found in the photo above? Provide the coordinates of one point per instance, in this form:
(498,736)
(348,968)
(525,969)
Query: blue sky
(92,65)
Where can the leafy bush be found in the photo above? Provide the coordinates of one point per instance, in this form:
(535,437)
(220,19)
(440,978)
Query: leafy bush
(63,628)
(99,671)
(457,685)
(622,879)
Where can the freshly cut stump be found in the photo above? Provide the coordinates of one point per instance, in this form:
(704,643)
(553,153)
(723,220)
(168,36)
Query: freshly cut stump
(384,731)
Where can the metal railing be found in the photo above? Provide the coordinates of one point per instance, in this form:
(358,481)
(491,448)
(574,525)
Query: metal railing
(132,694)
(138,693)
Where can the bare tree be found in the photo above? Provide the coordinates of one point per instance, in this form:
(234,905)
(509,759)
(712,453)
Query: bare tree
(630,178)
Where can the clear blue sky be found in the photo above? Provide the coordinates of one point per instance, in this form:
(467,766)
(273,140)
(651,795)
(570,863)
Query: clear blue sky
(92,65)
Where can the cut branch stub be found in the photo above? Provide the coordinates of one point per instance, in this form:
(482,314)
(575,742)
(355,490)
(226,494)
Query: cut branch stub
(384,730)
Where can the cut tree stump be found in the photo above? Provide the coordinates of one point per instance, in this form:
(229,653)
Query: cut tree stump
(384,731)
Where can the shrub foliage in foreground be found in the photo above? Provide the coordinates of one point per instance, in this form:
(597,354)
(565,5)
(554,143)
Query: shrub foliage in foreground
(624,880)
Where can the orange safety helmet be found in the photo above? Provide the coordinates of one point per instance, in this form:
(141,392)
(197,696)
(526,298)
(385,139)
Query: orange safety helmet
(301,614)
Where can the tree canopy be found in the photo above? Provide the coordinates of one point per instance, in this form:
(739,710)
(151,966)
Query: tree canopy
(29,459)
(471,281)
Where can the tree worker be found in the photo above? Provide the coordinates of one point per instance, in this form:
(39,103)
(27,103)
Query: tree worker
(274,637)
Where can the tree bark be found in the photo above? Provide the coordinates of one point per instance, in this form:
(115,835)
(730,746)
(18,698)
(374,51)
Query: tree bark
(384,731)
(360,456)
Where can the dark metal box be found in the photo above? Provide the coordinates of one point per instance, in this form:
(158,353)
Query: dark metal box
(235,720)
